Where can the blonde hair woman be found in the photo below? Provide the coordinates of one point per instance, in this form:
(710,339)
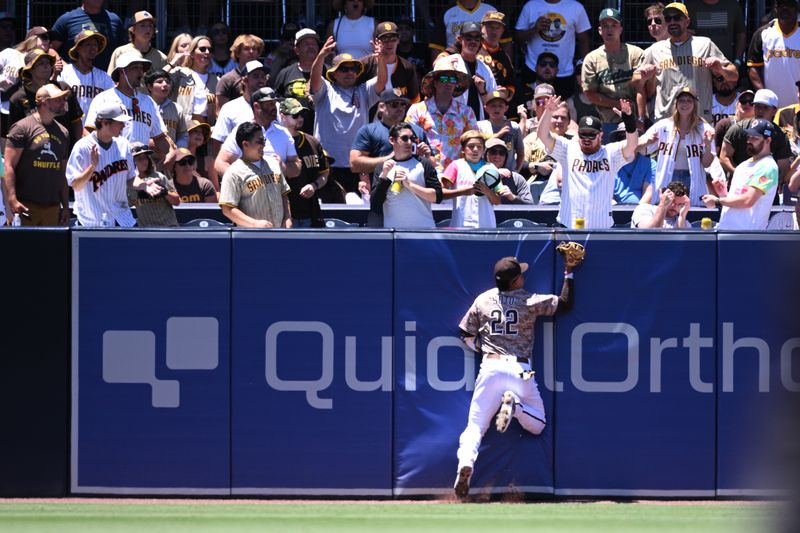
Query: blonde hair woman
(685,146)
(179,50)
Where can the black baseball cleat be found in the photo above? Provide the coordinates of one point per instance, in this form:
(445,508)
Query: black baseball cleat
(462,481)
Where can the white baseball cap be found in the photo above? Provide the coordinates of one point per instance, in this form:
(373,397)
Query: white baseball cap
(253,65)
(766,97)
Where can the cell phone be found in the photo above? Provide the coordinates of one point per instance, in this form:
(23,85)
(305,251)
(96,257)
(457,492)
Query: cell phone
(414,148)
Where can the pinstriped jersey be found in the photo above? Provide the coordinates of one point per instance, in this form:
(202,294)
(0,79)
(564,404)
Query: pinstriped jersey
(503,322)
(779,54)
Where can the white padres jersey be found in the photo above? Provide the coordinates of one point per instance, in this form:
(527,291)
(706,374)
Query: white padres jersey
(146,120)
(720,111)
(85,86)
(587,187)
(11,63)
(504,321)
(779,54)
(106,190)
(231,115)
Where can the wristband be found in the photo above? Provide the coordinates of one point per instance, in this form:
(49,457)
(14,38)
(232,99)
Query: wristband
(568,275)
(717,204)
(630,123)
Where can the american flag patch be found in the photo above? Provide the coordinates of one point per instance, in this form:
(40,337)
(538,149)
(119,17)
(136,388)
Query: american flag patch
(717,19)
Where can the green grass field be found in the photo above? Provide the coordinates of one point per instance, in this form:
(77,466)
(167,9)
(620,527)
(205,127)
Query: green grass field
(738,517)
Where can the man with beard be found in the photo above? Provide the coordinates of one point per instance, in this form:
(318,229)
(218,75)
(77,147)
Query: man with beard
(773,63)
(681,61)
(746,205)
(35,162)
(724,99)
(588,167)
(146,122)
(670,213)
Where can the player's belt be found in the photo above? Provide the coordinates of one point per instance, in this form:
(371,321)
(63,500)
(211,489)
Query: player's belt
(511,358)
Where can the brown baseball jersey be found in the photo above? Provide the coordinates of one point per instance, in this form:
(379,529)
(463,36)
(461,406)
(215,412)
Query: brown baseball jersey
(504,321)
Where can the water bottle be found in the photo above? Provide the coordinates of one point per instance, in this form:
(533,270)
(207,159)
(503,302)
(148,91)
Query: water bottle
(104,222)
(16,221)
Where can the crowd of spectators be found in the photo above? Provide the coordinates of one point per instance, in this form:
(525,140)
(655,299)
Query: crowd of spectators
(500,108)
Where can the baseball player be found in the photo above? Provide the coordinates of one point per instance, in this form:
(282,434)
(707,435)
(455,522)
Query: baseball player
(589,168)
(499,325)
(101,167)
(146,122)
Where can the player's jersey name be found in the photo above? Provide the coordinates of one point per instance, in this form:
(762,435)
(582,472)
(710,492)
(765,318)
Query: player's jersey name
(672,62)
(588,165)
(101,176)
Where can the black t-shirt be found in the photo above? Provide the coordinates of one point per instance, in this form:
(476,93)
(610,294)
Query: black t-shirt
(313,164)
(291,82)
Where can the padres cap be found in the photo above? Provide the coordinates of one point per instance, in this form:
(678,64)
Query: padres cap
(761,128)
(743,93)
(686,90)
(264,94)
(546,55)
(385,28)
(304,34)
(138,148)
(469,27)
(676,6)
(494,16)
(392,95)
(501,93)
(253,66)
(112,111)
(610,13)
(589,124)
(766,97)
(142,16)
(508,268)
(496,142)
(291,106)
(183,153)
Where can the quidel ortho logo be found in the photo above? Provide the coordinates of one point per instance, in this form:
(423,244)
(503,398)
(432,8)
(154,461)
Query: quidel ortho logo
(637,349)
(130,356)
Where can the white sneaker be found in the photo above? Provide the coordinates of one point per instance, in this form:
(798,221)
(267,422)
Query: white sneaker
(506,412)
(462,481)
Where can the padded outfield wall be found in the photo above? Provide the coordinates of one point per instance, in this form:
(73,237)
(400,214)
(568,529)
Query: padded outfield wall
(326,363)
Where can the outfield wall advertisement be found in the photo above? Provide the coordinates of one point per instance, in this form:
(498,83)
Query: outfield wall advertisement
(328,363)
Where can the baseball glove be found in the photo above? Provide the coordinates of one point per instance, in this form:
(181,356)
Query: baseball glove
(572,252)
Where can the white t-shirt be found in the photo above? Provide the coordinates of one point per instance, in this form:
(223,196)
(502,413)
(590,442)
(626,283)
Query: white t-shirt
(720,111)
(469,211)
(645,212)
(85,86)
(761,175)
(146,120)
(587,185)
(106,190)
(353,36)
(278,142)
(567,19)
(340,113)
(404,209)
(231,115)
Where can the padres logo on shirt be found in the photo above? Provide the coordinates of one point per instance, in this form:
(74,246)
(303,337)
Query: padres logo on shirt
(557,29)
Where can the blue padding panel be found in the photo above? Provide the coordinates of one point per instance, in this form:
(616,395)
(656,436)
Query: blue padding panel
(312,400)
(150,380)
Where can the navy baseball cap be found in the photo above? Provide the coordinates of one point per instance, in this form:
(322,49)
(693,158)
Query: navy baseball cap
(508,268)
(589,124)
(761,128)
(470,27)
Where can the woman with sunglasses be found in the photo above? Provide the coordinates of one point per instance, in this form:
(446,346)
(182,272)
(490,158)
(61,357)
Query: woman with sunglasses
(472,170)
(193,86)
(352,29)
(191,187)
(685,147)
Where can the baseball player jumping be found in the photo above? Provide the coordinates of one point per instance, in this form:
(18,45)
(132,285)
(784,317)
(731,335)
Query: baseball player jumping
(499,325)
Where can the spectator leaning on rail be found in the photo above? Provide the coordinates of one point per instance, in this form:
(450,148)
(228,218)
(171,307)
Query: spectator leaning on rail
(670,213)
(682,61)
(254,192)
(342,107)
(746,205)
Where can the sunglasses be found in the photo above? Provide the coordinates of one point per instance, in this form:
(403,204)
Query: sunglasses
(388,38)
(397,104)
(204,48)
(407,138)
(746,101)
(447,79)
(496,151)
(551,64)
(185,162)
(296,115)
(655,20)
(347,69)
(587,135)
(673,18)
